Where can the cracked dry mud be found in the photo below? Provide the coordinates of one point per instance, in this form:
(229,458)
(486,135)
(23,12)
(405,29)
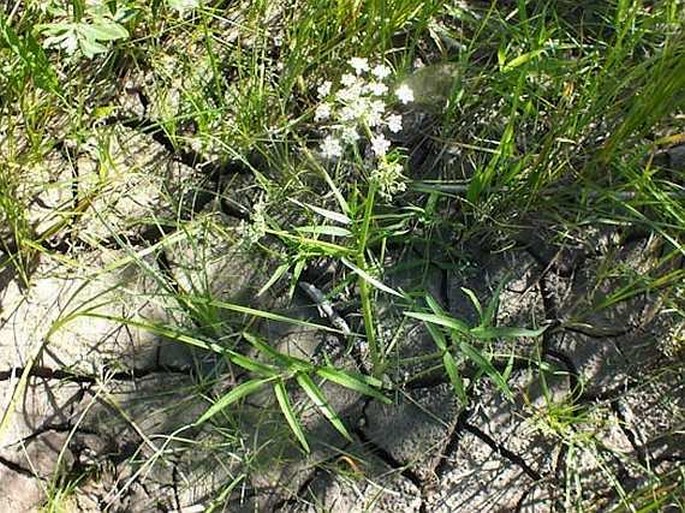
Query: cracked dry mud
(595,399)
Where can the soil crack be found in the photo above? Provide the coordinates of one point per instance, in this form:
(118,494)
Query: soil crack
(17,468)
(386,457)
(502,451)
(60,374)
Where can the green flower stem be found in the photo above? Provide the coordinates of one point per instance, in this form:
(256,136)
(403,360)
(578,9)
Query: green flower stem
(364,289)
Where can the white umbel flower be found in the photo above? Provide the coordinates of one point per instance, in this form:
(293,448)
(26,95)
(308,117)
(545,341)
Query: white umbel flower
(323,112)
(359,64)
(324,89)
(404,94)
(349,135)
(381,72)
(377,88)
(348,79)
(380,145)
(394,123)
(374,113)
(331,148)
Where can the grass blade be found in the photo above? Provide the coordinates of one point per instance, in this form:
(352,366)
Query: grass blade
(316,396)
(242,390)
(490,333)
(278,273)
(333,231)
(332,215)
(292,363)
(370,279)
(289,414)
(474,301)
(442,320)
(453,373)
(359,383)
(484,364)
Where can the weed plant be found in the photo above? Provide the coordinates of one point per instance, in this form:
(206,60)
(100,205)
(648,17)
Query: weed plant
(368,129)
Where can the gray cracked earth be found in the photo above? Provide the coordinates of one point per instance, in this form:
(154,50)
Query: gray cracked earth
(598,404)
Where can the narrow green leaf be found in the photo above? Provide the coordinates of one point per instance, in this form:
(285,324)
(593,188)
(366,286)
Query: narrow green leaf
(289,413)
(231,397)
(264,314)
(292,363)
(509,368)
(492,332)
(325,247)
(501,57)
(434,305)
(484,364)
(334,216)
(474,300)
(370,279)
(278,273)
(184,338)
(353,382)
(442,320)
(488,317)
(453,373)
(437,336)
(333,231)
(522,59)
(252,365)
(316,395)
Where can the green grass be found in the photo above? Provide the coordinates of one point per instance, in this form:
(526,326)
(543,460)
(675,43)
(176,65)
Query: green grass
(542,116)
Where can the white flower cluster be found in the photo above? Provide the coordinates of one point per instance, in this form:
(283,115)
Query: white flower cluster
(359,110)
(359,104)
(251,232)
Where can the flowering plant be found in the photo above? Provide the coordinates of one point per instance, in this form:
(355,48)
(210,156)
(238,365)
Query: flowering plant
(358,111)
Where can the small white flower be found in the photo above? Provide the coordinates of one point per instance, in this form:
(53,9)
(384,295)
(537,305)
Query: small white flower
(322,112)
(324,89)
(352,111)
(359,64)
(374,113)
(380,145)
(349,94)
(256,229)
(404,94)
(377,88)
(381,72)
(331,148)
(349,135)
(348,79)
(394,122)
